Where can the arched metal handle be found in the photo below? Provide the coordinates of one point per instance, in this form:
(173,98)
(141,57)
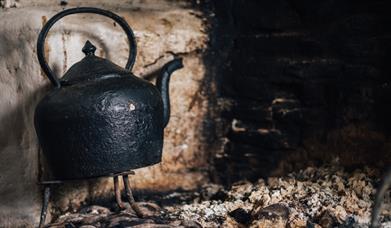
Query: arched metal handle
(42,36)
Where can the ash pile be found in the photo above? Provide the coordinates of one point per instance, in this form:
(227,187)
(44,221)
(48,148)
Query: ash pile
(314,197)
(327,196)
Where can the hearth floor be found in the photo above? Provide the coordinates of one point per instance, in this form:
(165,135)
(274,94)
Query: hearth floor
(325,196)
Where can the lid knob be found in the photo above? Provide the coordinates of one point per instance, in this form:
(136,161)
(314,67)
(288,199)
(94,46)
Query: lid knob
(89,48)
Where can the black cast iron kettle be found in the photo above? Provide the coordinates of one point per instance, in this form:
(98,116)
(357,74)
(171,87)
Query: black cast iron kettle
(100,119)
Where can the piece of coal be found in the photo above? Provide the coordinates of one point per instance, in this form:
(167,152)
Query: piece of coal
(274,211)
(241,216)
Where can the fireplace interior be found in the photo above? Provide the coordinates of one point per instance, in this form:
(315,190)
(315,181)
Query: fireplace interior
(279,118)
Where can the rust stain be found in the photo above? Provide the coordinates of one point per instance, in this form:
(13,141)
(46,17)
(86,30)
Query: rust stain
(168,24)
(65,53)
(44,20)
(101,53)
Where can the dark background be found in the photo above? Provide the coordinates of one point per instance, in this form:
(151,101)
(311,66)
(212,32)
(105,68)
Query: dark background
(307,82)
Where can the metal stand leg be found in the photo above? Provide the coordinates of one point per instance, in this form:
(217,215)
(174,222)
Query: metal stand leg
(130,198)
(117,192)
(381,191)
(45,203)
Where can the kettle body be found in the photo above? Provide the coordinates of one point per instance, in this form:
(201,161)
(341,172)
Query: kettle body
(100,119)
(101,127)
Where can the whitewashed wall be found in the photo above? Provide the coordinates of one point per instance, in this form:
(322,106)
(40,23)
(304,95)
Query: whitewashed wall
(161,27)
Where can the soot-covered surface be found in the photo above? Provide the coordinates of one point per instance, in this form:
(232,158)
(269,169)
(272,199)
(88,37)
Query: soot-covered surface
(308,81)
(328,196)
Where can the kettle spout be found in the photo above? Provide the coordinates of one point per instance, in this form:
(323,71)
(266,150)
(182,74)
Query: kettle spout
(162,83)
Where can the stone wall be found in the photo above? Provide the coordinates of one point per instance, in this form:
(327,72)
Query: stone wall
(162,28)
(307,82)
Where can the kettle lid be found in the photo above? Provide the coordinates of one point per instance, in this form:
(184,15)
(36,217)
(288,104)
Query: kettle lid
(91,67)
